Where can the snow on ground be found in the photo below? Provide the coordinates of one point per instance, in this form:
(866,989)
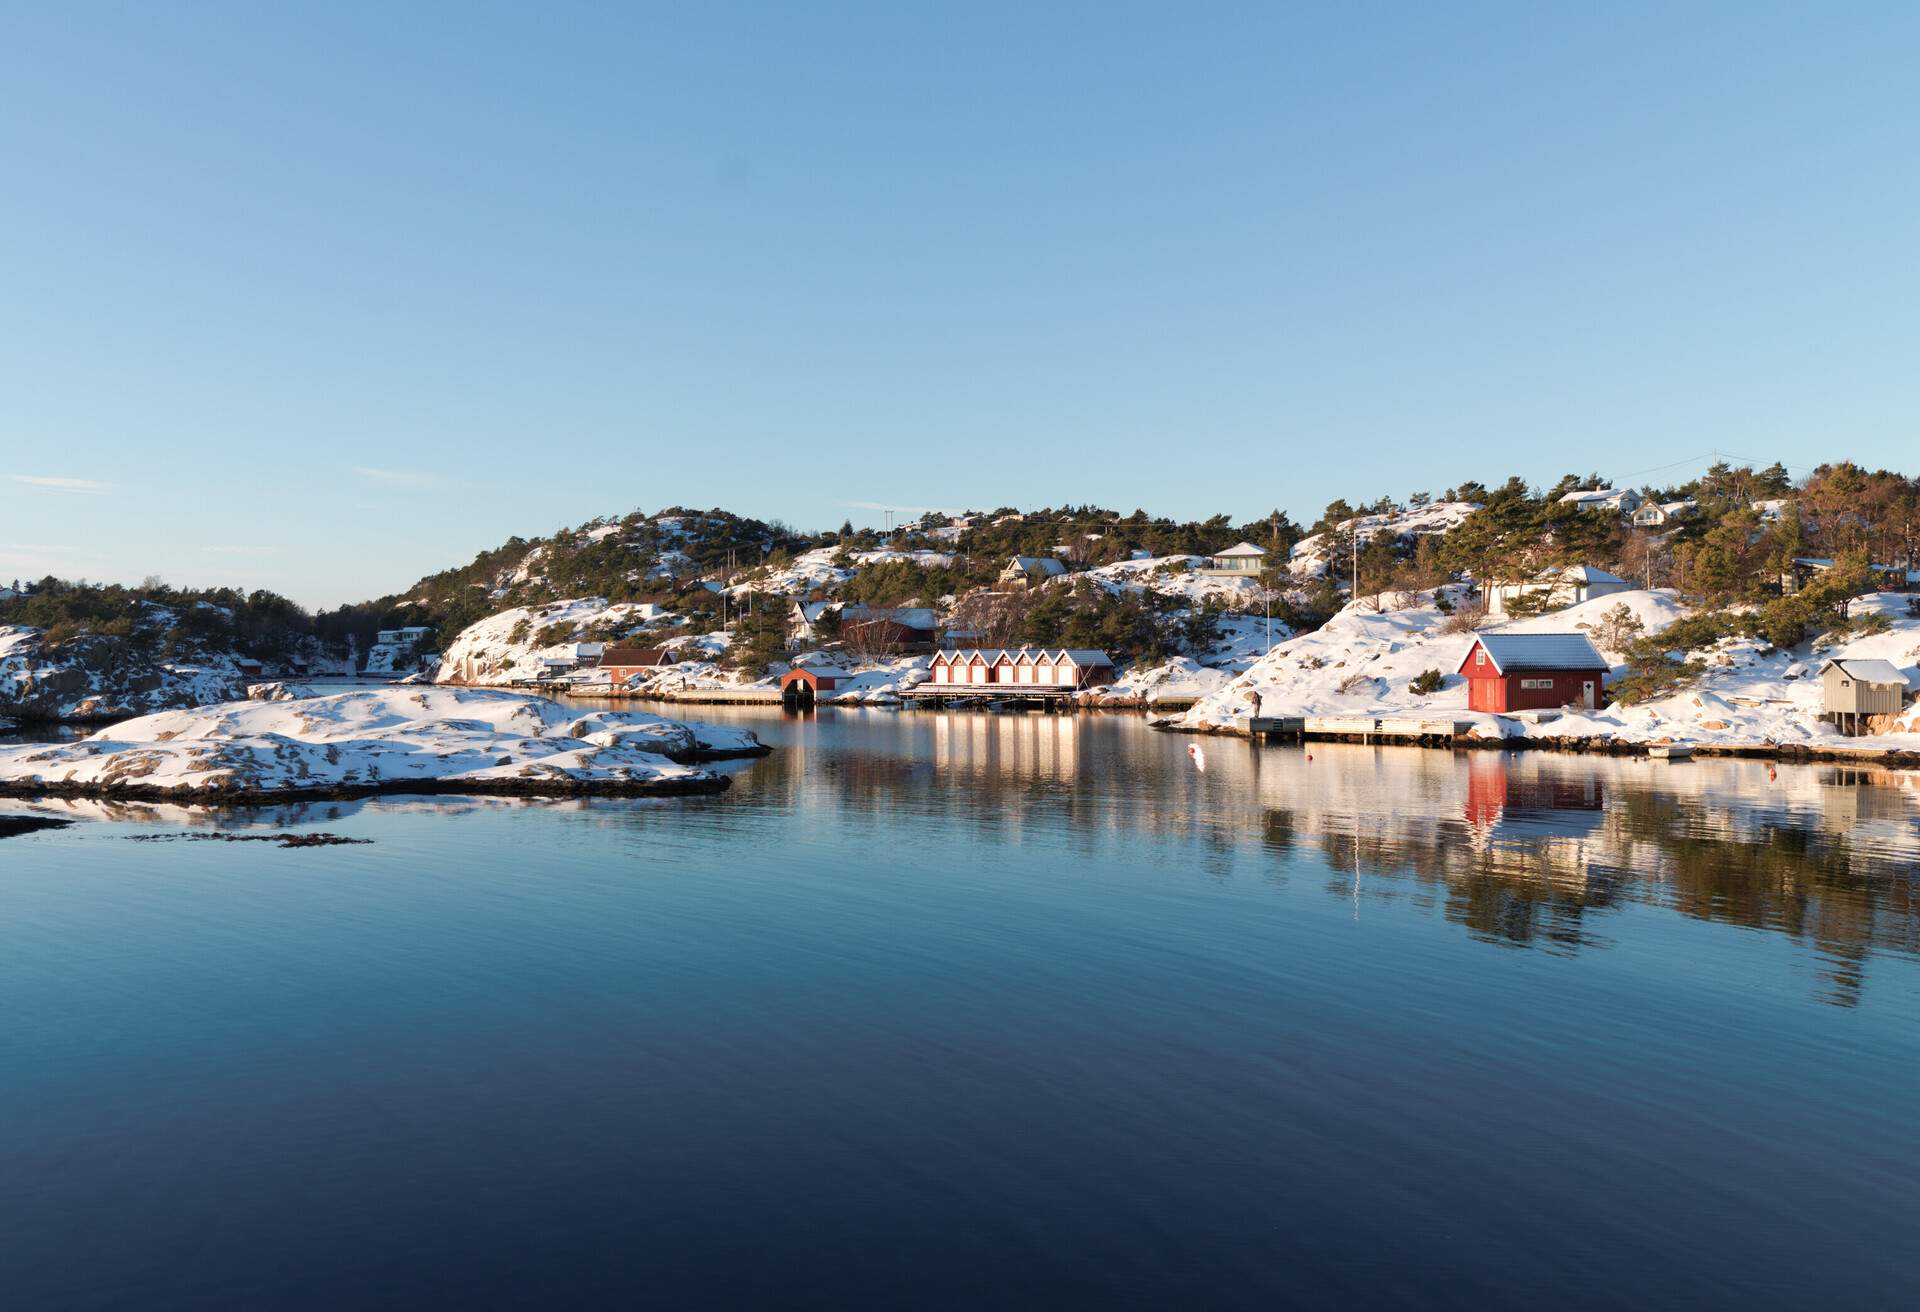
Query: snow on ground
(1308,559)
(507,646)
(102,678)
(1170,576)
(1362,662)
(387,738)
(817,570)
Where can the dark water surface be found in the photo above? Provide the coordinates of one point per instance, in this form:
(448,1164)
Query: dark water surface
(961,1011)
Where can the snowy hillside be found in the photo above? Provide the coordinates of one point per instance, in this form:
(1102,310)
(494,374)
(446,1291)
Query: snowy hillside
(511,644)
(1362,663)
(1172,576)
(391,739)
(1310,555)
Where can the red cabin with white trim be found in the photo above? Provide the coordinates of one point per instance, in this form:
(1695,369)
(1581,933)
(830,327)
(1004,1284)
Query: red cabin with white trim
(1534,672)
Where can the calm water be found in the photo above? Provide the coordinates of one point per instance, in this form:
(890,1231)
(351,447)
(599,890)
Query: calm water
(964,1011)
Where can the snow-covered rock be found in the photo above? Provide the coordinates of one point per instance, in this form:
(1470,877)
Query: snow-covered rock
(278,692)
(380,740)
(94,678)
(509,645)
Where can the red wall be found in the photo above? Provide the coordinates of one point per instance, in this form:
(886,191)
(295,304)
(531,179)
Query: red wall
(1494,692)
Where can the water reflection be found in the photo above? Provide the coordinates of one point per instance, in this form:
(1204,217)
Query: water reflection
(1531,850)
(1536,850)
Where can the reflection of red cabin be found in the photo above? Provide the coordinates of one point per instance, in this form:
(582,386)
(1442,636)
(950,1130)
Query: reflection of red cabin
(813,680)
(1534,672)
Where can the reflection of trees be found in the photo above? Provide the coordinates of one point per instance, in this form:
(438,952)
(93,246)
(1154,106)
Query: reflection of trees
(1529,850)
(1542,848)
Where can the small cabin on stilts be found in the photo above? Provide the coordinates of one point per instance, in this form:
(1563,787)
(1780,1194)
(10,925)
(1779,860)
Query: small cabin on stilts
(1857,689)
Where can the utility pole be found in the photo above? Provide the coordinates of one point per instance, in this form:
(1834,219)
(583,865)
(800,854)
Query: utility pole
(1356,566)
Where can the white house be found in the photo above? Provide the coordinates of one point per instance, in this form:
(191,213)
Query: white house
(1242,559)
(1024,571)
(805,618)
(1559,586)
(1620,501)
(1654,514)
(412,635)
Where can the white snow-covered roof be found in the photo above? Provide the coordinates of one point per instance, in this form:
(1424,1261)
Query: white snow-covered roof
(1052,566)
(1086,656)
(1243,549)
(1598,496)
(1868,671)
(1538,651)
(1579,574)
(907,617)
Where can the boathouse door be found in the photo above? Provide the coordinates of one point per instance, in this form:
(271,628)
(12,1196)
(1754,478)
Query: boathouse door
(1586,695)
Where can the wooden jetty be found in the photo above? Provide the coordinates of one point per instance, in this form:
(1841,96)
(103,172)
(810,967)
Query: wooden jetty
(1355,728)
(1015,696)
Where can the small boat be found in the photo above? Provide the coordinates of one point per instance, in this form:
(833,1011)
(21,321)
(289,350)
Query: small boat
(1670,751)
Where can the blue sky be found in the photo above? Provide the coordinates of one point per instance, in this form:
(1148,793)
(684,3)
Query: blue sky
(323,298)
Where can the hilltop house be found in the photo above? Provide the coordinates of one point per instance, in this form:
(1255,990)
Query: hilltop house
(1805,569)
(1655,514)
(1533,671)
(411,636)
(1242,560)
(1619,501)
(1025,571)
(1555,588)
(1856,689)
(1028,670)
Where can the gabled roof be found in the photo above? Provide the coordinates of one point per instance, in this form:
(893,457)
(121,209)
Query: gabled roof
(1868,671)
(1579,574)
(1048,565)
(907,617)
(809,611)
(1240,549)
(636,656)
(1511,652)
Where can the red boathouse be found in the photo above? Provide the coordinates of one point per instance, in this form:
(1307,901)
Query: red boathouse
(1534,672)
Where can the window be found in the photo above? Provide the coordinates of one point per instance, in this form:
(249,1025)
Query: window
(1536,683)
(1480,657)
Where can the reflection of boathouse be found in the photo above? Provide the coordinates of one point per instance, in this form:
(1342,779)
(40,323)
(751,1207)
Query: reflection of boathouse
(1506,805)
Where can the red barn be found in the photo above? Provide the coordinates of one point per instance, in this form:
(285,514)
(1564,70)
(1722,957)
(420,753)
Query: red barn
(1534,672)
(622,663)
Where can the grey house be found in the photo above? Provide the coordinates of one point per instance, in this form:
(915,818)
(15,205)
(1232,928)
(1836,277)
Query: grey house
(1856,689)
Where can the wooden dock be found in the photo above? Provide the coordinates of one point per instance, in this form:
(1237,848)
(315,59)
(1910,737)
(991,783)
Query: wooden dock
(1013,696)
(1355,728)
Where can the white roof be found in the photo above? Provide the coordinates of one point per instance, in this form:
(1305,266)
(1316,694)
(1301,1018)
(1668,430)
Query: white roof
(1593,496)
(1511,652)
(1042,564)
(1869,671)
(1579,574)
(1029,655)
(1241,549)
